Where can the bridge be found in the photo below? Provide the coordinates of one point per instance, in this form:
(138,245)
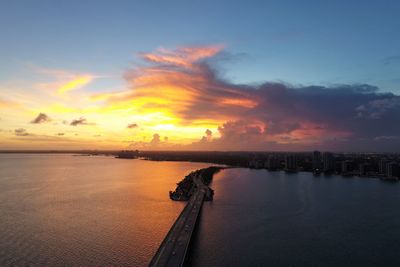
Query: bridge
(174,248)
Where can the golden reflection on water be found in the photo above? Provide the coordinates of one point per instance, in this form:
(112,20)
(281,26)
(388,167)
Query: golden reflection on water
(63,209)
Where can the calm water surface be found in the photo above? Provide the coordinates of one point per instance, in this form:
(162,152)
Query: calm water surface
(91,211)
(66,210)
(261,218)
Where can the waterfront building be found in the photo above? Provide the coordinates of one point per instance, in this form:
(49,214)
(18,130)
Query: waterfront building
(317,161)
(363,168)
(272,163)
(328,162)
(255,163)
(392,170)
(290,162)
(382,166)
(346,167)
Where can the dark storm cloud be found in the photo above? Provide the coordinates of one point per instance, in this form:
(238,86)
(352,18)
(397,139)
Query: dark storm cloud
(357,109)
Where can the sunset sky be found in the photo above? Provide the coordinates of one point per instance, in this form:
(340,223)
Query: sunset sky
(200,75)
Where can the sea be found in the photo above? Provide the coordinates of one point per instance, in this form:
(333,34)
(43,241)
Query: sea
(71,210)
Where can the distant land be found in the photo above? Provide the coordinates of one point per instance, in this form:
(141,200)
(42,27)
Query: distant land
(385,166)
(92,152)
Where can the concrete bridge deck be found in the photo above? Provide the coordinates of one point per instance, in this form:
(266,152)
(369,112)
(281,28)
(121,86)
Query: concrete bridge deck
(173,250)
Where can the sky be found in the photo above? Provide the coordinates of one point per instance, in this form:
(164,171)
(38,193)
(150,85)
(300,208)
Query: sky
(200,75)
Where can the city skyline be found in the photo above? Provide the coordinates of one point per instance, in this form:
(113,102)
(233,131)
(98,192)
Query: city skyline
(200,77)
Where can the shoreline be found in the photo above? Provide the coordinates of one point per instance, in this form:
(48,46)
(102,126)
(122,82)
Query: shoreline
(193,181)
(231,160)
(194,188)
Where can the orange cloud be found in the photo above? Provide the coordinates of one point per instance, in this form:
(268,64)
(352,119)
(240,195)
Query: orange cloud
(7,104)
(179,94)
(247,103)
(184,56)
(181,83)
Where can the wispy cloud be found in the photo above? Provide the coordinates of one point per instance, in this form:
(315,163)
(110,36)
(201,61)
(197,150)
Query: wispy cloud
(21,132)
(8,104)
(391,60)
(75,84)
(186,57)
(64,81)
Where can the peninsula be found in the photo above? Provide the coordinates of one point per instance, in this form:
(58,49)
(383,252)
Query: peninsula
(173,251)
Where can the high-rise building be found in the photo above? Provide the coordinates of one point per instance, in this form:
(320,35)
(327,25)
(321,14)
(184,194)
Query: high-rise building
(317,161)
(382,166)
(392,170)
(346,167)
(255,163)
(290,162)
(328,162)
(363,169)
(272,163)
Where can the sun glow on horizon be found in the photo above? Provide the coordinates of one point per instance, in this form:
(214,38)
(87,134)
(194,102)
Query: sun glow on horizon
(177,101)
